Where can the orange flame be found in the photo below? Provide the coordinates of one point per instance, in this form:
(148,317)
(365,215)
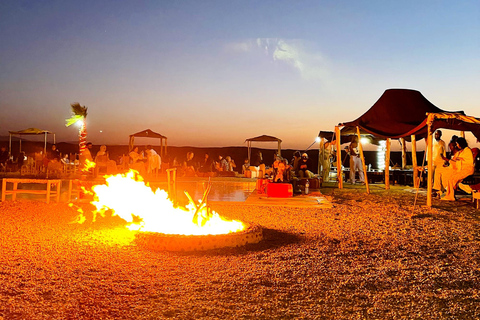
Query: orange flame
(129,197)
(88,165)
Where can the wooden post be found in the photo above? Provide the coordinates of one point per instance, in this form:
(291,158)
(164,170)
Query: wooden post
(430,166)
(4,188)
(462,134)
(339,158)
(404,153)
(321,155)
(364,167)
(387,165)
(416,179)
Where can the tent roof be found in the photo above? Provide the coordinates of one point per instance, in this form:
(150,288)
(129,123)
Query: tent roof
(397,113)
(148,134)
(347,138)
(30,131)
(454,121)
(264,138)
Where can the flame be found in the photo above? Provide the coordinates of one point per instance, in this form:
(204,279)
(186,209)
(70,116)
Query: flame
(129,197)
(88,165)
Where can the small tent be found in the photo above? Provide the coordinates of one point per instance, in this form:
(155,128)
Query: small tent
(149,134)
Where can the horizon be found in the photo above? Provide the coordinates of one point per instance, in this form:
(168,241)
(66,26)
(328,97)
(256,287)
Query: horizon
(196,72)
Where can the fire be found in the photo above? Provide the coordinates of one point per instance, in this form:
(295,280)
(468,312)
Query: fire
(88,165)
(129,197)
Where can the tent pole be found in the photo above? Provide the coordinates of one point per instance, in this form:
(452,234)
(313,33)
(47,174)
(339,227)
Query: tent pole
(45,144)
(321,151)
(364,167)
(249,152)
(54,139)
(414,161)
(10,145)
(387,165)
(404,153)
(161,147)
(339,158)
(166,147)
(462,134)
(430,166)
(279,149)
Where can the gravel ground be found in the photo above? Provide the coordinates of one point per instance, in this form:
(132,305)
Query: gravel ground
(369,257)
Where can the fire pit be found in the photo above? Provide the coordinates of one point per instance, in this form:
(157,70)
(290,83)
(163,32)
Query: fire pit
(177,242)
(161,225)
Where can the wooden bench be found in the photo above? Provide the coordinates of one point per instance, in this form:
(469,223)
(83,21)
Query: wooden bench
(48,192)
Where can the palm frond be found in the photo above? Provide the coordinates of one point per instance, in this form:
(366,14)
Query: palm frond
(78,110)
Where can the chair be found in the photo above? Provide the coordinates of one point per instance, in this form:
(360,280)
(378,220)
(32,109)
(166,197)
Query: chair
(101,164)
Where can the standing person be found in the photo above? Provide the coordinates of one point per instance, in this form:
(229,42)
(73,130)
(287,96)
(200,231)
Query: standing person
(326,160)
(355,161)
(463,168)
(439,153)
(86,154)
(54,153)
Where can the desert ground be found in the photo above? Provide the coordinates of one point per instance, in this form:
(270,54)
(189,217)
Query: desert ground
(381,255)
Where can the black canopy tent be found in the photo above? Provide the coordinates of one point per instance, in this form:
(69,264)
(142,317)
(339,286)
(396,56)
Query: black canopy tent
(405,113)
(149,134)
(30,131)
(263,138)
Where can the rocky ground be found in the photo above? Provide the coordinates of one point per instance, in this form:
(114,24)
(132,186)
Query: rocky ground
(373,256)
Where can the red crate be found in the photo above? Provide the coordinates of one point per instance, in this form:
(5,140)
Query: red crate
(279,190)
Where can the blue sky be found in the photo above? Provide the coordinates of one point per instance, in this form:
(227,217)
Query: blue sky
(213,73)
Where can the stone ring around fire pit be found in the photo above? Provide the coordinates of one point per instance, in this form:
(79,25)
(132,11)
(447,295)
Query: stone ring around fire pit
(177,242)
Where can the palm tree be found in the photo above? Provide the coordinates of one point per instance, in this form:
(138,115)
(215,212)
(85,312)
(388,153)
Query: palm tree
(79,114)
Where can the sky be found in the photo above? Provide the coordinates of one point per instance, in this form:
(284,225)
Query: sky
(214,73)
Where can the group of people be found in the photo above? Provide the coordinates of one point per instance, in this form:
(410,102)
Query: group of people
(221,166)
(448,172)
(146,162)
(282,170)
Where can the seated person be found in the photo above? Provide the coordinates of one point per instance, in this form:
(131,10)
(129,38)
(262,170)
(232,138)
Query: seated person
(221,165)
(245,166)
(4,155)
(207,165)
(304,167)
(189,166)
(463,167)
(230,164)
(137,161)
(102,159)
(280,171)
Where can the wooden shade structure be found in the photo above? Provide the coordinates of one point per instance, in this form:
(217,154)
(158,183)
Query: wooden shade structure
(263,138)
(149,134)
(28,132)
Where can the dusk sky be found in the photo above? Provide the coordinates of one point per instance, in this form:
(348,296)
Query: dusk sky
(213,73)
